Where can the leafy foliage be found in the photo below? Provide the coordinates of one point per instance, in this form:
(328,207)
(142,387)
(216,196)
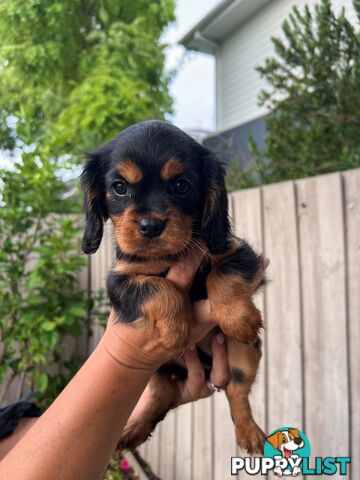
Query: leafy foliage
(314,95)
(120,468)
(74,72)
(238,178)
(40,302)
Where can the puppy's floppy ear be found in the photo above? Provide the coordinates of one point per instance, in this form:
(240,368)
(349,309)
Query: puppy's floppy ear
(93,185)
(215,225)
(274,440)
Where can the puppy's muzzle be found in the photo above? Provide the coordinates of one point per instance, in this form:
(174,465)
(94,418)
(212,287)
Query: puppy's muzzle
(151,227)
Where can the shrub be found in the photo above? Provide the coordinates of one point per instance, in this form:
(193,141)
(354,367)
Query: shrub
(40,301)
(314,96)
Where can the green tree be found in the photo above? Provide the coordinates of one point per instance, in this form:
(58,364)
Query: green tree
(74,72)
(314,96)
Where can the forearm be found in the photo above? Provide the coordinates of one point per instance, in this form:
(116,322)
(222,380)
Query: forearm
(7,443)
(76,436)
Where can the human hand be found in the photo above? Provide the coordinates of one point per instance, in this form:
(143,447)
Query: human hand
(194,387)
(138,346)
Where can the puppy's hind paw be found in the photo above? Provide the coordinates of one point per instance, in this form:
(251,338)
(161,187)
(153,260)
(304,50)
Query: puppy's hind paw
(251,439)
(130,441)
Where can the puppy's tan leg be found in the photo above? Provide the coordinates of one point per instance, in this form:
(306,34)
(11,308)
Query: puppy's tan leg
(232,307)
(164,395)
(230,285)
(244,360)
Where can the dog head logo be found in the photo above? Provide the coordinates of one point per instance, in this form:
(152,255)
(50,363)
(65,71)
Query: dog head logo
(286,441)
(290,444)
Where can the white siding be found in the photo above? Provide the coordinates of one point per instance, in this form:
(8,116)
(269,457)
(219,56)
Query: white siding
(238,84)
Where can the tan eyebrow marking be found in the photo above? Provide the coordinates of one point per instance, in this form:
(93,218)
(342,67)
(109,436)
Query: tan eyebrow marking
(130,171)
(171,168)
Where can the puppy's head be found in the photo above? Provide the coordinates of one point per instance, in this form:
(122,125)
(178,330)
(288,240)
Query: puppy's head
(160,188)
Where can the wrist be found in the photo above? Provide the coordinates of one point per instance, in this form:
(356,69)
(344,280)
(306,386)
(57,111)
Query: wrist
(132,347)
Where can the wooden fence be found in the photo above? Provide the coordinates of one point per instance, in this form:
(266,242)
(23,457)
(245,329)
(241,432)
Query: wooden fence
(310,371)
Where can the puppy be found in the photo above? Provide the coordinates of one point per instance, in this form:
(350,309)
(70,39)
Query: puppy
(164,192)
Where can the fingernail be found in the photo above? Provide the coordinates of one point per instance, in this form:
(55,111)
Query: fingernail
(220,338)
(191,348)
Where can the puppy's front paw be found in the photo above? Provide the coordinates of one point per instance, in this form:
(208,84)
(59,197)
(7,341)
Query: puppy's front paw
(176,337)
(243,325)
(167,311)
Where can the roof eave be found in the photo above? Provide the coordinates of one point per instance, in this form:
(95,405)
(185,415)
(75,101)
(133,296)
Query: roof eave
(200,43)
(191,39)
(228,15)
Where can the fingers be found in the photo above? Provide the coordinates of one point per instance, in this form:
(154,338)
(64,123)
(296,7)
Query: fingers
(196,373)
(194,387)
(202,312)
(182,273)
(203,322)
(220,374)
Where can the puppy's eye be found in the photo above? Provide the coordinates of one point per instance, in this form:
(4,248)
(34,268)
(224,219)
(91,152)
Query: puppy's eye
(120,188)
(182,186)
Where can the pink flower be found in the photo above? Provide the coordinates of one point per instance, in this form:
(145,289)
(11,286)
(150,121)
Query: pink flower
(124,464)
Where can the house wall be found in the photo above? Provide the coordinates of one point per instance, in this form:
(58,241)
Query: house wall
(237,82)
(233,144)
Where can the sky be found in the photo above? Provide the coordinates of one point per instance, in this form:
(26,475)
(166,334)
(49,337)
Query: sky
(193,86)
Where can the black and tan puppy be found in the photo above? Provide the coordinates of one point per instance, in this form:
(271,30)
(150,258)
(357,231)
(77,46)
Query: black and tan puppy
(164,192)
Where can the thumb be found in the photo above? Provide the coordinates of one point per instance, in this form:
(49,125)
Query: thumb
(182,273)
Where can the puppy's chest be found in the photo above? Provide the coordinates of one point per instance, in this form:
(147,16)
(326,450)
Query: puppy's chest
(198,289)
(160,269)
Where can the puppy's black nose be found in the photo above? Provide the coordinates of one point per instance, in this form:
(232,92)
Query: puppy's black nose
(151,227)
(298,441)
